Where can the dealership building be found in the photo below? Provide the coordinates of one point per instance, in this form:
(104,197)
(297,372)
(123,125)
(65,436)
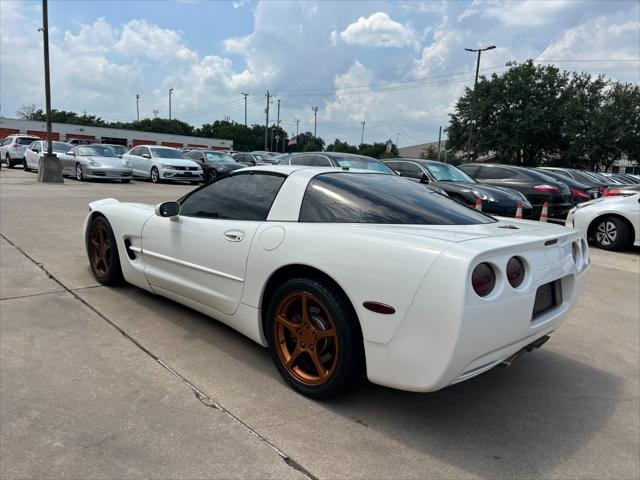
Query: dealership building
(65,132)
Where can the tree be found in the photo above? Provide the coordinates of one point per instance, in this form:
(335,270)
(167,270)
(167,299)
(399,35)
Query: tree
(377,150)
(344,147)
(27,112)
(430,153)
(308,143)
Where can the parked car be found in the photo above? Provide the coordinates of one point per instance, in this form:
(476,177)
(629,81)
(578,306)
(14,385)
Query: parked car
(13,147)
(278,159)
(582,177)
(623,190)
(612,223)
(37,149)
(118,150)
(342,273)
(86,162)
(80,141)
(251,159)
(580,192)
(267,157)
(214,163)
(163,164)
(537,187)
(336,159)
(461,187)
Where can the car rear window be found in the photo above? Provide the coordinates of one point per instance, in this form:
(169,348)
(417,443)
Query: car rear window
(26,140)
(381,199)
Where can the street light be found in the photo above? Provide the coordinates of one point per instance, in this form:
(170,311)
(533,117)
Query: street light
(479,50)
(315,120)
(138,106)
(170,92)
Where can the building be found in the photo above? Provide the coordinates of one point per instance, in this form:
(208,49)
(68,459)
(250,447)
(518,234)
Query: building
(65,132)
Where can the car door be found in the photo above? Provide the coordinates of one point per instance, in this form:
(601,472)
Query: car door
(136,161)
(201,254)
(68,161)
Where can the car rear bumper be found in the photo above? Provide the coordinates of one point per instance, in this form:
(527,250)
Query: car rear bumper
(450,334)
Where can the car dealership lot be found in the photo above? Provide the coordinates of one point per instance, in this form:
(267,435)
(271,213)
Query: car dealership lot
(88,389)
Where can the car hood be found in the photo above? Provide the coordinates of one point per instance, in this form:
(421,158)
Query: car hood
(104,161)
(177,162)
(226,165)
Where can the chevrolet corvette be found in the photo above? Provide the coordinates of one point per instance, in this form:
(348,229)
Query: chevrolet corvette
(343,272)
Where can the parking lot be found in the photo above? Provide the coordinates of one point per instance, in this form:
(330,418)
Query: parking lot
(101,382)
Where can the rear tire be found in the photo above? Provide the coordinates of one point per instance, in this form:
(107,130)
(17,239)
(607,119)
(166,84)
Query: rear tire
(155,175)
(611,233)
(9,162)
(103,252)
(318,353)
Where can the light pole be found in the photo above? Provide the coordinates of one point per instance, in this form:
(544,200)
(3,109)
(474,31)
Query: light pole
(50,170)
(362,136)
(297,124)
(138,107)
(170,92)
(245,95)
(315,120)
(479,50)
(398,140)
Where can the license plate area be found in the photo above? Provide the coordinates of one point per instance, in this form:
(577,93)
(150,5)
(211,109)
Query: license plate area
(548,296)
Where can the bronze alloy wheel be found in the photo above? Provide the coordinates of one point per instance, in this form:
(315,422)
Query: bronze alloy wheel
(100,251)
(306,339)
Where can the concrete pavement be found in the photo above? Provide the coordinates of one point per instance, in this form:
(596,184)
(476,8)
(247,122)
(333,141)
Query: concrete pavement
(569,410)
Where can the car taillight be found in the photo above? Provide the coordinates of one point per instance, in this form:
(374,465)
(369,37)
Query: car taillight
(601,189)
(580,195)
(16,146)
(547,188)
(515,272)
(483,279)
(611,192)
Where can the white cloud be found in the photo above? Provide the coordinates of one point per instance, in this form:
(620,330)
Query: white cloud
(519,13)
(144,39)
(379,30)
(96,37)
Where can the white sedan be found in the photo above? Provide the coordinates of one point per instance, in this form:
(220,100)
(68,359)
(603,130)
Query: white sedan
(160,164)
(612,223)
(36,151)
(341,272)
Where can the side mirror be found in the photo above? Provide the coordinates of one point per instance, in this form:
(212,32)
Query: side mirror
(146,155)
(168,209)
(397,172)
(71,153)
(424,178)
(120,156)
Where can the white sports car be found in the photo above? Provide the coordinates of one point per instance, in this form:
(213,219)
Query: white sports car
(344,271)
(612,223)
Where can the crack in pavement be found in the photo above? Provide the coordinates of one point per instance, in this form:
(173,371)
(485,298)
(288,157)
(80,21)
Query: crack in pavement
(199,394)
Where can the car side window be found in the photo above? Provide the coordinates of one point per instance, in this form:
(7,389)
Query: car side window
(6,141)
(134,151)
(144,150)
(410,170)
(239,197)
(495,173)
(310,160)
(73,150)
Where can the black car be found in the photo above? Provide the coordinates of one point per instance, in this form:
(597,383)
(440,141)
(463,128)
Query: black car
(461,187)
(583,177)
(213,163)
(580,192)
(536,186)
(251,159)
(336,159)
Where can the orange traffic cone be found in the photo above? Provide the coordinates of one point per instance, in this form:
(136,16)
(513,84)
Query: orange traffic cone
(545,212)
(519,211)
(479,204)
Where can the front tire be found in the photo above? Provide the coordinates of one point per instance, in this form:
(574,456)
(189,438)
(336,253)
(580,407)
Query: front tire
(24,165)
(314,337)
(611,233)
(103,252)
(9,162)
(155,175)
(79,173)
(211,176)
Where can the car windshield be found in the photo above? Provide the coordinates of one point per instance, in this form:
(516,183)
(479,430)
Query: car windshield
(95,151)
(59,147)
(448,173)
(363,163)
(166,153)
(219,157)
(381,199)
(26,140)
(119,149)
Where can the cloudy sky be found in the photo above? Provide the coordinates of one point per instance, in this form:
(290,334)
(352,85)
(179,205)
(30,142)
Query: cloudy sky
(399,66)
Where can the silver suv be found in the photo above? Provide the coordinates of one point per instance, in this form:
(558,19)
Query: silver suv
(13,147)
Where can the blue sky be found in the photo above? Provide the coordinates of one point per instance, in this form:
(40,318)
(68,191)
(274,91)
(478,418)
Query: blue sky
(399,66)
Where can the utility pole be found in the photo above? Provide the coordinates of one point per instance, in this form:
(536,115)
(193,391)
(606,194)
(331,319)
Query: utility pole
(278,126)
(50,170)
(315,121)
(398,140)
(297,124)
(362,137)
(245,108)
(266,124)
(439,139)
(479,50)
(170,92)
(155,113)
(138,107)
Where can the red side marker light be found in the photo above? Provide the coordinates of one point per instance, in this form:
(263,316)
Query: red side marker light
(379,308)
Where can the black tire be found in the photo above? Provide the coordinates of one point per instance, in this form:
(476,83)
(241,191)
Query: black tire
(79,173)
(9,162)
(24,165)
(194,183)
(126,181)
(155,175)
(611,233)
(345,366)
(211,176)
(107,269)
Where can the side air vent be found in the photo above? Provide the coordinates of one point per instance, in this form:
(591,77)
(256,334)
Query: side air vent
(130,253)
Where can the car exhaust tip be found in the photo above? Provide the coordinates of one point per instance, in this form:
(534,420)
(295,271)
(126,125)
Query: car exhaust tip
(507,362)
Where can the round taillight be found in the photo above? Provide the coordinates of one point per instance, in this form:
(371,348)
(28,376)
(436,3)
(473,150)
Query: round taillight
(483,279)
(575,253)
(515,272)
(585,251)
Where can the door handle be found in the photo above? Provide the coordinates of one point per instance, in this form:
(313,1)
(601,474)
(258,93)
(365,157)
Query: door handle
(234,235)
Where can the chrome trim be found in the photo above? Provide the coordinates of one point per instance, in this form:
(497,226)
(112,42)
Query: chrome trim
(189,264)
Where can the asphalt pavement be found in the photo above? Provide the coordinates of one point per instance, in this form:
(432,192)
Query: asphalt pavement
(99,382)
